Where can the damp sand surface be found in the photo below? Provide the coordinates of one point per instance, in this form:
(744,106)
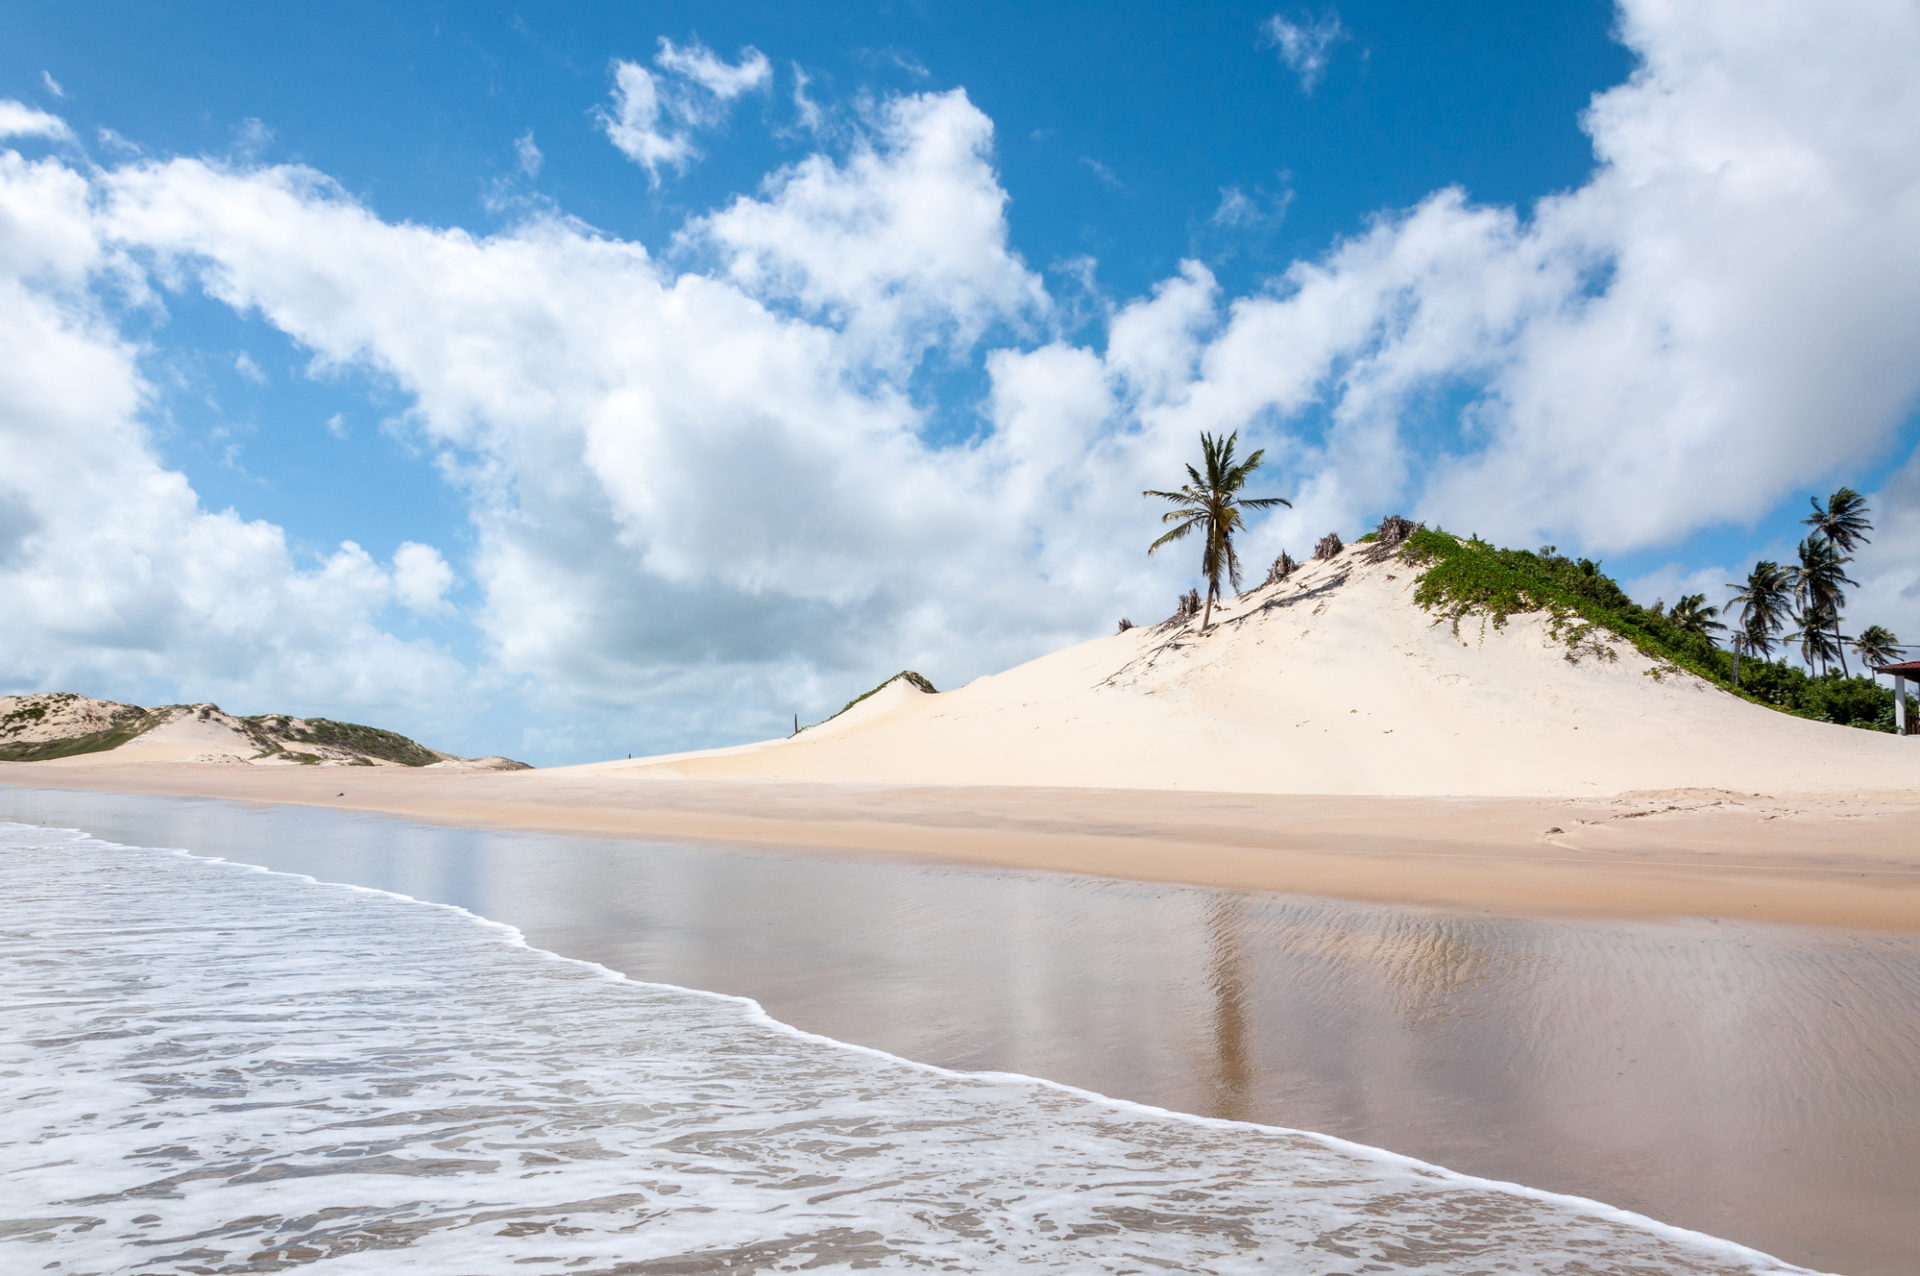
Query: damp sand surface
(1759,1083)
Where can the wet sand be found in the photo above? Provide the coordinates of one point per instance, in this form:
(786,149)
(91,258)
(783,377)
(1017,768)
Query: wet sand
(1806,859)
(1759,1082)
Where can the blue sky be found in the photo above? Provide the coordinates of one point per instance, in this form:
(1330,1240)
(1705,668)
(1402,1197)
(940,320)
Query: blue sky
(674,369)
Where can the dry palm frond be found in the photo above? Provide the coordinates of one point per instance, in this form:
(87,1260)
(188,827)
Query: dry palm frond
(1392,532)
(1330,545)
(1283,567)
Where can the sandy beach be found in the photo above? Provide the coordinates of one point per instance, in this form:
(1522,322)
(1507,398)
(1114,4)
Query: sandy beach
(1825,861)
(1748,1080)
(1544,913)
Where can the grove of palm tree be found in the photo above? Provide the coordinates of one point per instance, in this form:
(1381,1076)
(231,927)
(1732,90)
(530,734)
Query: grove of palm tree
(1777,608)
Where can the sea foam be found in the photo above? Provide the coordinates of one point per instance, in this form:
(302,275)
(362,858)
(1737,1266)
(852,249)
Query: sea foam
(208,1068)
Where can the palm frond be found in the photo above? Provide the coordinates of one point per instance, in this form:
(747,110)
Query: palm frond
(1176,534)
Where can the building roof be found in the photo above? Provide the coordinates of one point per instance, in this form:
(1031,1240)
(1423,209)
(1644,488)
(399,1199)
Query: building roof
(1905,666)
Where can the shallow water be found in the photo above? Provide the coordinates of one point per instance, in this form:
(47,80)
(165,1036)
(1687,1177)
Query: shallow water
(1758,1082)
(208,1068)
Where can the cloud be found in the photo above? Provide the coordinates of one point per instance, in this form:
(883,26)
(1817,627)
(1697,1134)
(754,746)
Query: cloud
(243,364)
(20,120)
(337,425)
(1305,44)
(1888,569)
(1239,211)
(806,110)
(1107,177)
(116,143)
(705,490)
(527,155)
(251,137)
(655,115)
(53,85)
(421,578)
(1235,208)
(698,64)
(117,580)
(1672,582)
(901,246)
(1737,282)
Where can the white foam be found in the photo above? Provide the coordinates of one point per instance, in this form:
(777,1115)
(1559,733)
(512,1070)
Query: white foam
(205,1065)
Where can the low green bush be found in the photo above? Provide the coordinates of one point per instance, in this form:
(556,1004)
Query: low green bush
(1470,577)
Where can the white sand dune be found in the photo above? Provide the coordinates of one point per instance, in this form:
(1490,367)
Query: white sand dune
(1331,682)
(204,733)
(188,737)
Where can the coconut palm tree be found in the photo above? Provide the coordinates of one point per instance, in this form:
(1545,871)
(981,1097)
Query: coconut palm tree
(1817,637)
(1692,614)
(1877,645)
(1817,582)
(1764,602)
(1843,520)
(1212,504)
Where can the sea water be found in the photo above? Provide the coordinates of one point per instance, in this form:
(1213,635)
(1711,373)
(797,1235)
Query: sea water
(208,1068)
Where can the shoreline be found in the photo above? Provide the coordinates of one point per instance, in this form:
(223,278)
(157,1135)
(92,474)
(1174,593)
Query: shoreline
(1815,860)
(1631,1062)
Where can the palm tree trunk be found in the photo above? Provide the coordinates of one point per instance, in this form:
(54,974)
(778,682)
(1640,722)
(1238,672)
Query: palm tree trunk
(1206,618)
(1840,645)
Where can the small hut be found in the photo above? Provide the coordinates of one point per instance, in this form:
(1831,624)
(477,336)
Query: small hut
(1901,672)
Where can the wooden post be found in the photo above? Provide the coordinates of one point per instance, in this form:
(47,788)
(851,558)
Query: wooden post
(1899,704)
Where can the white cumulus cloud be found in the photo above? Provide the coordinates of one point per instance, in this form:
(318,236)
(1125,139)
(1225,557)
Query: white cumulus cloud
(20,120)
(421,578)
(901,244)
(655,114)
(117,579)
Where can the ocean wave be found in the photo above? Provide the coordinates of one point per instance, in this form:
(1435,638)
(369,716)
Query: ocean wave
(214,1068)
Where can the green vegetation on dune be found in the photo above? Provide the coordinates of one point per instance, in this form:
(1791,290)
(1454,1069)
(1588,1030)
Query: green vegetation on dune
(275,731)
(909,675)
(1586,608)
(125,722)
(71,746)
(276,735)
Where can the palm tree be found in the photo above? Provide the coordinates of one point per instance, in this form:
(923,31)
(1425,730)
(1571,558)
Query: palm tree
(1817,637)
(1843,520)
(1212,503)
(1816,586)
(1693,615)
(1877,645)
(1764,602)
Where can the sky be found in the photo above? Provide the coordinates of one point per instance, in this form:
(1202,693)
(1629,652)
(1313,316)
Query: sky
(576,380)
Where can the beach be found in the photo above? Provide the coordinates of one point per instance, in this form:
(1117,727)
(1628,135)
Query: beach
(1749,1080)
(1544,915)
(1819,859)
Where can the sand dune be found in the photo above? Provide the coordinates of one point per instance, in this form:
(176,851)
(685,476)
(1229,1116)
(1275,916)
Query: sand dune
(1326,737)
(1331,682)
(84,732)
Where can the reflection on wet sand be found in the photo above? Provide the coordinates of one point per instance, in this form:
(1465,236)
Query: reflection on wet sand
(1760,1083)
(1233,1069)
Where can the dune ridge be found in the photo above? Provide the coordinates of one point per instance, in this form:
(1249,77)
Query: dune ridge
(81,730)
(1333,681)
